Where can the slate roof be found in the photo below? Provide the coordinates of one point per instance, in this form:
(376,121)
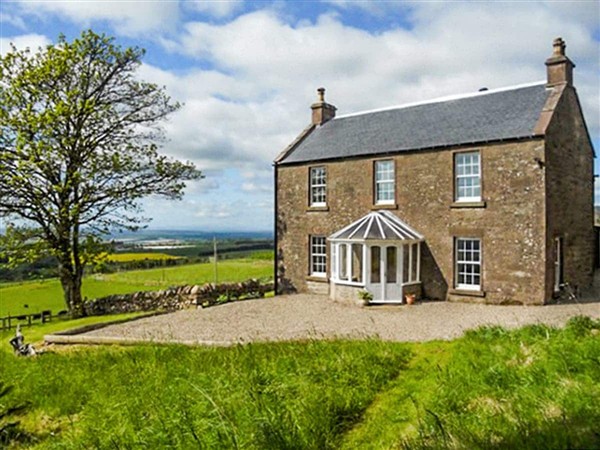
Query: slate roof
(379,226)
(507,113)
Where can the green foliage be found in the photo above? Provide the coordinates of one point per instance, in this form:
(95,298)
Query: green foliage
(19,245)
(9,427)
(78,150)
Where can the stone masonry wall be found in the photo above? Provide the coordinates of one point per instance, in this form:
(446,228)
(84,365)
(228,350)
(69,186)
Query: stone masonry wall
(511,222)
(570,192)
(176,298)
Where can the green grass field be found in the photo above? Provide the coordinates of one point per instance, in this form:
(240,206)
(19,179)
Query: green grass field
(47,294)
(537,387)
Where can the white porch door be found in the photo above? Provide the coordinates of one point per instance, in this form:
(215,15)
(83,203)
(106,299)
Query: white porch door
(384,280)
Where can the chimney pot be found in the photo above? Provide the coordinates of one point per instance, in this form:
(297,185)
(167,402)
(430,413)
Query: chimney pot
(321,94)
(559,46)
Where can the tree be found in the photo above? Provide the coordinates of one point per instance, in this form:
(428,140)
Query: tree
(78,150)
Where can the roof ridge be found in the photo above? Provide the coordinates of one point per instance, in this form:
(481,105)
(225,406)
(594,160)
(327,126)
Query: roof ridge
(442,99)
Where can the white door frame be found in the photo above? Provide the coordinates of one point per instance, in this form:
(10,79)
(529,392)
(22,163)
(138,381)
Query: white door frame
(383,288)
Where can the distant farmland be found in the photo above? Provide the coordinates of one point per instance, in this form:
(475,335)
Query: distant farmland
(35,296)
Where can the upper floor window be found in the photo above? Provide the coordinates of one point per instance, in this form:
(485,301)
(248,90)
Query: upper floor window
(318,256)
(467,170)
(468,263)
(384,182)
(318,186)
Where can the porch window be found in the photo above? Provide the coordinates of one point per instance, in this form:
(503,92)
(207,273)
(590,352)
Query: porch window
(318,256)
(392,264)
(384,182)
(350,264)
(375,267)
(468,263)
(318,186)
(467,170)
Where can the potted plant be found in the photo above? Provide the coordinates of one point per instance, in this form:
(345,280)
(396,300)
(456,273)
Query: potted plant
(365,296)
(410,298)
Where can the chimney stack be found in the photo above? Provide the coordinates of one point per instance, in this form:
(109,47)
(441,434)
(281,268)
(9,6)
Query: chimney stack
(321,110)
(559,68)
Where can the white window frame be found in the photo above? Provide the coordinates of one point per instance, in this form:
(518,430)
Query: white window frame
(318,186)
(474,177)
(343,267)
(318,256)
(384,181)
(469,262)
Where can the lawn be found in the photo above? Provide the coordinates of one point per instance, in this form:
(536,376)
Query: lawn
(36,296)
(537,387)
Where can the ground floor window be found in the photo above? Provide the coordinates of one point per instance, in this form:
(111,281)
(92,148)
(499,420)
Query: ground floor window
(468,263)
(318,256)
(349,264)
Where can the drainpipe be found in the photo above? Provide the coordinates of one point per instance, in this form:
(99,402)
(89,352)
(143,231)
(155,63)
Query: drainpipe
(275,253)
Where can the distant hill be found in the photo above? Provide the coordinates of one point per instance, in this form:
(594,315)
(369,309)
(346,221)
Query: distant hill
(597,215)
(190,235)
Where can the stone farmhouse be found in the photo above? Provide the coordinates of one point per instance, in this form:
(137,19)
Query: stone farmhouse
(484,197)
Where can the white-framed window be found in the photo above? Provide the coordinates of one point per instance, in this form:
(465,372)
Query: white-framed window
(348,267)
(318,256)
(318,186)
(468,263)
(467,170)
(384,182)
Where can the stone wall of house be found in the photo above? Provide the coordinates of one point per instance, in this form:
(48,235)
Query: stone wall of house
(570,194)
(511,220)
(346,294)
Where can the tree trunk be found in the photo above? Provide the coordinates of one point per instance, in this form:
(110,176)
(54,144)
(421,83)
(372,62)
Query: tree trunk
(71,284)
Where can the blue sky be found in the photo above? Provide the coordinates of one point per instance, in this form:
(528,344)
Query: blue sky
(247,72)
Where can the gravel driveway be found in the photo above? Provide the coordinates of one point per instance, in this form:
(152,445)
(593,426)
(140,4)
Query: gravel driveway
(308,316)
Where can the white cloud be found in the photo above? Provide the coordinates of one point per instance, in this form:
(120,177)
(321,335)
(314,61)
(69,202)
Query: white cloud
(13,20)
(214,211)
(129,18)
(31,41)
(256,75)
(256,98)
(215,8)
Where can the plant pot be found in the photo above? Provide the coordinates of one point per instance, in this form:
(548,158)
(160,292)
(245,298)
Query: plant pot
(410,298)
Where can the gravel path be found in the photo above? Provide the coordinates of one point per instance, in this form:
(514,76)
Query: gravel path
(305,316)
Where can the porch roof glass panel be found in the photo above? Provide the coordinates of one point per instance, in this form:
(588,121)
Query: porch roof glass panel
(377,226)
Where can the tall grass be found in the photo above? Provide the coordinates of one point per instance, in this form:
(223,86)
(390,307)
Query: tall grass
(537,387)
(268,396)
(533,388)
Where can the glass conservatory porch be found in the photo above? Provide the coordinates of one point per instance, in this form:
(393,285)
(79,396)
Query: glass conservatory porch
(378,253)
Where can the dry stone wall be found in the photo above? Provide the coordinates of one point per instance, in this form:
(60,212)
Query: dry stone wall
(176,298)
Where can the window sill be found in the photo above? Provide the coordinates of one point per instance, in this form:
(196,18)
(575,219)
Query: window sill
(458,205)
(316,278)
(384,206)
(317,208)
(348,283)
(467,292)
